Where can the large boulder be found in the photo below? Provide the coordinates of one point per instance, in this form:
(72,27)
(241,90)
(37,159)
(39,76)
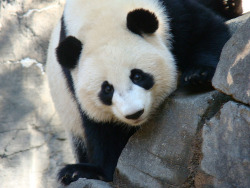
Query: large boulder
(163,153)
(226,147)
(232,75)
(235,24)
(226,143)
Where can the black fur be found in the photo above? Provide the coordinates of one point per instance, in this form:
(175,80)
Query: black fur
(68,52)
(198,37)
(105,142)
(145,81)
(141,21)
(106,96)
(226,8)
(80,149)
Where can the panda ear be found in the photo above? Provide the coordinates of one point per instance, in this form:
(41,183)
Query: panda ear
(68,52)
(141,21)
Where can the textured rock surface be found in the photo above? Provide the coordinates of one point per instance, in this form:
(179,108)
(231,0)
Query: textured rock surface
(226,147)
(25,28)
(33,145)
(233,72)
(160,155)
(235,24)
(85,183)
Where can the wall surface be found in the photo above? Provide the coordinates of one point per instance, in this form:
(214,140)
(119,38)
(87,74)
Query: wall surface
(33,145)
(195,140)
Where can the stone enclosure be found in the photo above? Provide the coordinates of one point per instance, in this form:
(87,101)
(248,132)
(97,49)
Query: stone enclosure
(195,140)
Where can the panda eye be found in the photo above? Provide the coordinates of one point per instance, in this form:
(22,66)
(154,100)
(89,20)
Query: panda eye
(106,93)
(137,77)
(107,88)
(142,79)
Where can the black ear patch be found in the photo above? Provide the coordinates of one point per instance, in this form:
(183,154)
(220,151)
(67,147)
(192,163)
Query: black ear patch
(68,52)
(141,21)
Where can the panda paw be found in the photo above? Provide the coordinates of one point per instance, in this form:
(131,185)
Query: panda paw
(73,172)
(231,8)
(67,175)
(198,76)
(231,4)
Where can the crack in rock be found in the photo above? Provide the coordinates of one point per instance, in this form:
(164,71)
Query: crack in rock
(7,131)
(17,152)
(31,11)
(214,106)
(8,144)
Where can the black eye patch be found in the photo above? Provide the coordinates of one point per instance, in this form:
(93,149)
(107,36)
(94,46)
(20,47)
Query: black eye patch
(106,93)
(142,79)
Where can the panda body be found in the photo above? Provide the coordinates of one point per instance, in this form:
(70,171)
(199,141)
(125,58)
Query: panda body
(111,64)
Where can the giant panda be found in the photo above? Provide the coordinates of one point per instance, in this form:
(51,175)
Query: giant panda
(111,63)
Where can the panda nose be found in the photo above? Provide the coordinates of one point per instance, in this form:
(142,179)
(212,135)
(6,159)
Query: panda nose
(135,115)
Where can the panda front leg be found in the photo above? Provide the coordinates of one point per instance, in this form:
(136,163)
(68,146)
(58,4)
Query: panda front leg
(207,36)
(83,169)
(104,142)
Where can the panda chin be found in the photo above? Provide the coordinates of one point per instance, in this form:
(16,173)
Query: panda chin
(137,122)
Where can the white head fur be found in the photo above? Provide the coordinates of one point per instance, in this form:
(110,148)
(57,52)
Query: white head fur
(111,51)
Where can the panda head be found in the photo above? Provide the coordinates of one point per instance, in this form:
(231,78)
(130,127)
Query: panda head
(121,73)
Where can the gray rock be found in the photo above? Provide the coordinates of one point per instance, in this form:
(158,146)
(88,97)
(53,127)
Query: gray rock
(226,147)
(236,23)
(87,183)
(159,155)
(232,75)
(33,145)
(25,28)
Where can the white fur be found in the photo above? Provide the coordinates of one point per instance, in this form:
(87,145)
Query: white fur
(110,51)
(61,96)
(130,102)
